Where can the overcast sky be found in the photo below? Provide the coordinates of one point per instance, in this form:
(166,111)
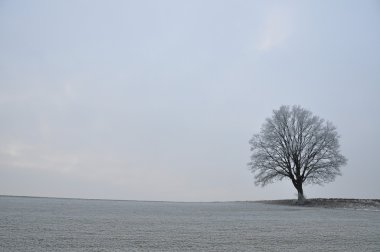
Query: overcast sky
(157,100)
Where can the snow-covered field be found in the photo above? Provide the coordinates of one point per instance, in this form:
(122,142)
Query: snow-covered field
(48,224)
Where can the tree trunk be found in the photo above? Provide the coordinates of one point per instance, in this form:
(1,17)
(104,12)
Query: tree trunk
(298,185)
(301,199)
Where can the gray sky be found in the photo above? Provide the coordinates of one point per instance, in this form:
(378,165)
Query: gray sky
(156,100)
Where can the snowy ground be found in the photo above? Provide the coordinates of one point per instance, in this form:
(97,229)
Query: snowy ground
(371,204)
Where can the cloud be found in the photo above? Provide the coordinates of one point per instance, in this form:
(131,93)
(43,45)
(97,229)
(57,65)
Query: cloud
(90,165)
(276,28)
(35,157)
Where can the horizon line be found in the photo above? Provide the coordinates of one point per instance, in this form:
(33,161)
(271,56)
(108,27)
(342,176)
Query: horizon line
(134,200)
(167,201)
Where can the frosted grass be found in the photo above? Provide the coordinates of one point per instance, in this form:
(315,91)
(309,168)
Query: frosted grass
(42,224)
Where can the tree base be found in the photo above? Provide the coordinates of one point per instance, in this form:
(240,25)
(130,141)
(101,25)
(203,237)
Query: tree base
(301,199)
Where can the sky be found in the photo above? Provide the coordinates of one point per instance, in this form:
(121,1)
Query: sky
(157,100)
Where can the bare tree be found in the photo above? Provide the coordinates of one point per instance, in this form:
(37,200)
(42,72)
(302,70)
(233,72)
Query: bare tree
(297,145)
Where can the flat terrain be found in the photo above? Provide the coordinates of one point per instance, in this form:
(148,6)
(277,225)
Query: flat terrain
(50,224)
(370,204)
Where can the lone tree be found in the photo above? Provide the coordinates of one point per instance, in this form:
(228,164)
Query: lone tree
(297,145)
